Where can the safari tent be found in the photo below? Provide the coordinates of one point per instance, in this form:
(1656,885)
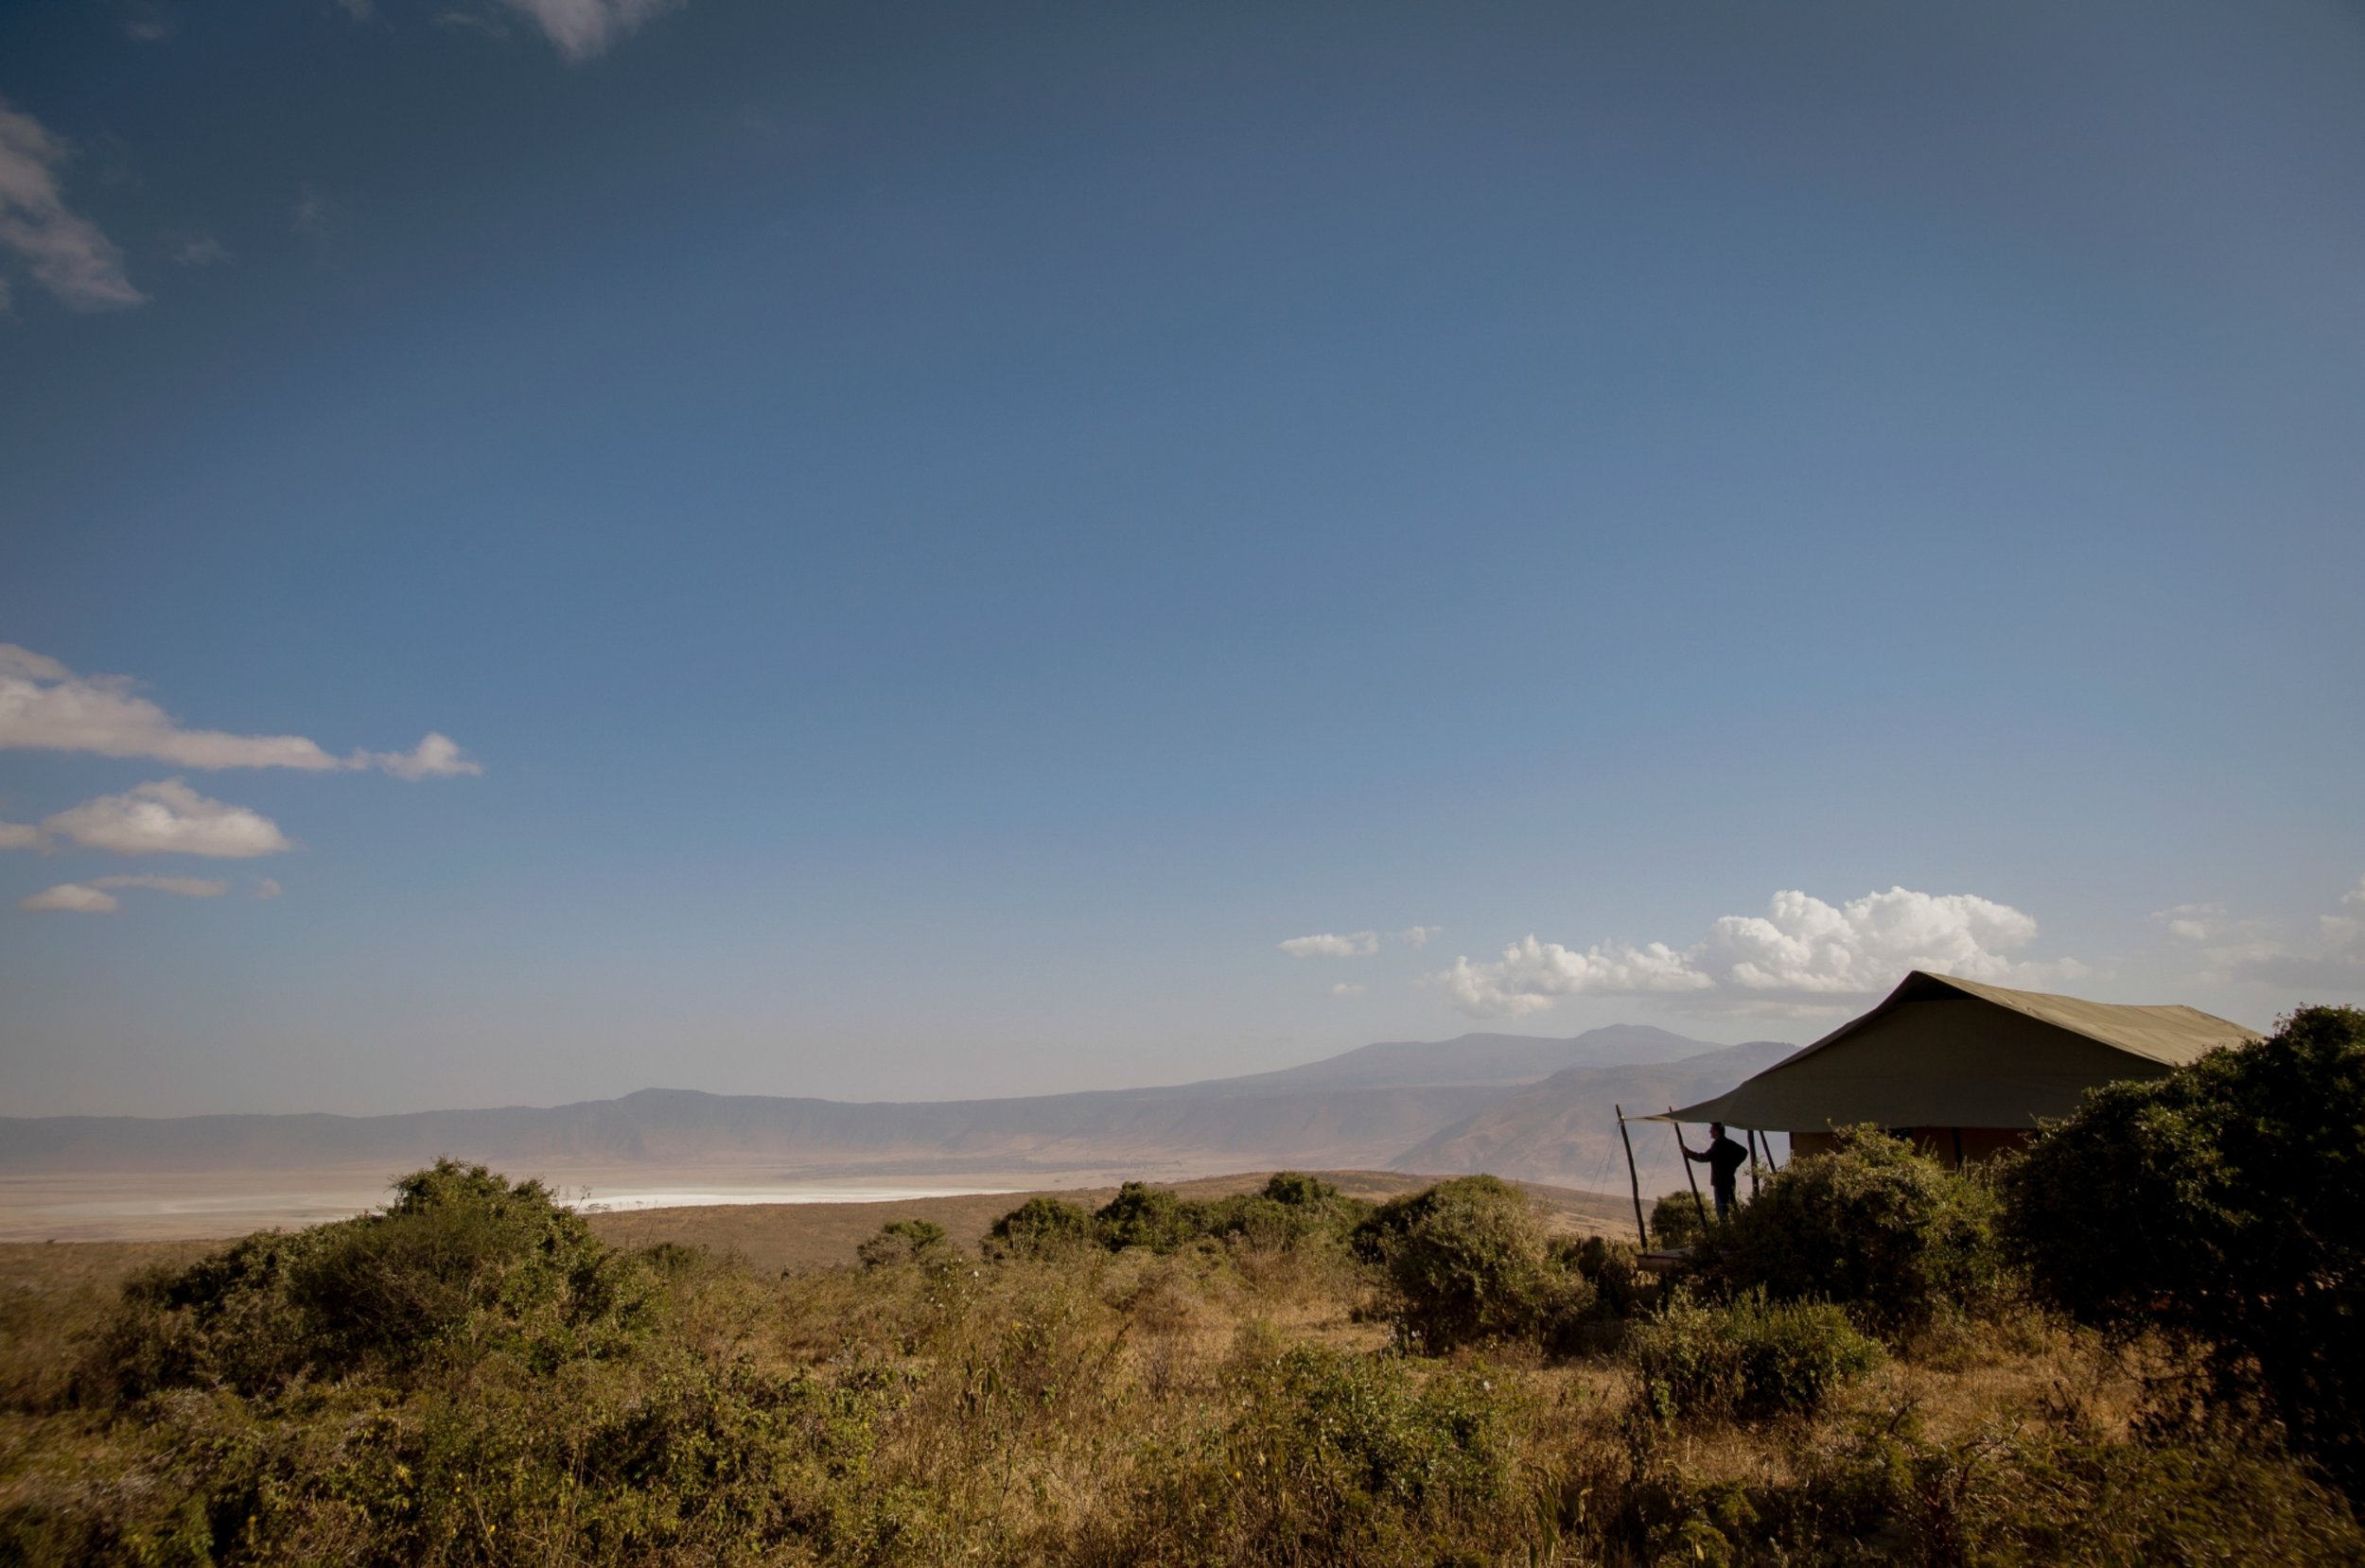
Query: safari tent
(1965,1068)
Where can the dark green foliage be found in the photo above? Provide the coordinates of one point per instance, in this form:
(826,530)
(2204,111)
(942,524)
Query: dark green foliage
(1611,1268)
(462,1261)
(1470,1261)
(1291,1211)
(1874,1223)
(904,1242)
(1040,1227)
(1143,1216)
(1296,1190)
(2223,1206)
(1675,1220)
(1748,1357)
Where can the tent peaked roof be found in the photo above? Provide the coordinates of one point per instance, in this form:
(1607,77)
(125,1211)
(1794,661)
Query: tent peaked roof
(2011,1058)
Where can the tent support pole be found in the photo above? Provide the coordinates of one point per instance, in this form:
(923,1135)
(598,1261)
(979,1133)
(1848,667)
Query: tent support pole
(1753,1164)
(1692,1180)
(1633,1180)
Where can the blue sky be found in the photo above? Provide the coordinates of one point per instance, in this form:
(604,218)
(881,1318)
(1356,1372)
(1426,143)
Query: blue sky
(932,540)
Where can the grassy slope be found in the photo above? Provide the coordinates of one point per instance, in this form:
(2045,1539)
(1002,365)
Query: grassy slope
(1136,1408)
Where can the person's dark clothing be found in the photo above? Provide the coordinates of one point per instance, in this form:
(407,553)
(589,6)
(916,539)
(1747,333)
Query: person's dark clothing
(1724,1160)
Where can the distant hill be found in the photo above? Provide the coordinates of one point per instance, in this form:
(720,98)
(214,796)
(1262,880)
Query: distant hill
(1365,1107)
(1475,1059)
(1564,1130)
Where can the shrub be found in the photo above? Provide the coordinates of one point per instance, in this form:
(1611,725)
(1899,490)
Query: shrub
(1469,1259)
(1333,1459)
(1675,1220)
(461,1261)
(1872,1224)
(2223,1206)
(1143,1216)
(904,1242)
(1292,1210)
(1612,1269)
(1748,1357)
(1040,1227)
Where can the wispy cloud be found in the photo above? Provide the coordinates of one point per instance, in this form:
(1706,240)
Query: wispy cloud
(146,23)
(46,707)
(1345,989)
(266,888)
(96,896)
(2330,958)
(63,251)
(202,251)
(1800,949)
(20,835)
(1360,944)
(1418,936)
(436,757)
(188,887)
(168,818)
(70,898)
(582,28)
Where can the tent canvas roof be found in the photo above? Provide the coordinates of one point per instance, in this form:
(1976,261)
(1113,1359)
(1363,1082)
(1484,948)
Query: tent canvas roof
(1945,1052)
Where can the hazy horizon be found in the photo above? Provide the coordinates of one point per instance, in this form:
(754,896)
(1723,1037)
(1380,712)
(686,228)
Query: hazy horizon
(555,545)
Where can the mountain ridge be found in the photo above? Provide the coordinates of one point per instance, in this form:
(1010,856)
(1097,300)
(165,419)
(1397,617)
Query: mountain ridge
(1361,1106)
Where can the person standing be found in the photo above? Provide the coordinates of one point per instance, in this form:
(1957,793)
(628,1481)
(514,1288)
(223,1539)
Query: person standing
(1723,1158)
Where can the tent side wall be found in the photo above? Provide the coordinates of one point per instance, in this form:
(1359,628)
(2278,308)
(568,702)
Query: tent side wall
(1938,1062)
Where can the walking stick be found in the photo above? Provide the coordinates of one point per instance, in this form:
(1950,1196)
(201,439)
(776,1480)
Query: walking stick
(1688,1176)
(1633,1180)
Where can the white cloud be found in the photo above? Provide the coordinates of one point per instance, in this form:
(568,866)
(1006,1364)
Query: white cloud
(70,897)
(46,707)
(2192,922)
(266,888)
(435,756)
(168,818)
(1800,949)
(582,28)
(205,251)
(1417,936)
(1360,944)
(188,887)
(63,249)
(1533,976)
(1344,989)
(20,835)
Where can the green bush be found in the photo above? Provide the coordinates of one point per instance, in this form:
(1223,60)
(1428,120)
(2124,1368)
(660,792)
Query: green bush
(1873,1224)
(1040,1227)
(1748,1358)
(2222,1206)
(461,1263)
(1291,1211)
(1675,1220)
(1613,1269)
(904,1242)
(1152,1217)
(1470,1261)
